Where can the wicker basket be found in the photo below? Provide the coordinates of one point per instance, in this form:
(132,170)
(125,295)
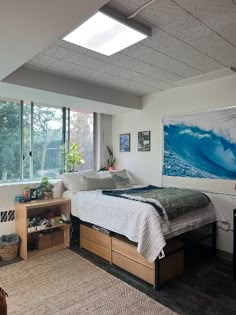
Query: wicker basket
(9,246)
(9,251)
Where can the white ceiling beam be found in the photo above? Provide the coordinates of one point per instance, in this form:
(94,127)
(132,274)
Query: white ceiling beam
(66,86)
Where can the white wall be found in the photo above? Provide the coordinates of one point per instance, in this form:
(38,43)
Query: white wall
(147,166)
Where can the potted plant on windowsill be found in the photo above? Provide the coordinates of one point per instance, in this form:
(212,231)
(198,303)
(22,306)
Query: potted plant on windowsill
(74,158)
(110,161)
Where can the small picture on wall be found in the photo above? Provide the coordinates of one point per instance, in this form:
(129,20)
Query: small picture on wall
(144,140)
(125,142)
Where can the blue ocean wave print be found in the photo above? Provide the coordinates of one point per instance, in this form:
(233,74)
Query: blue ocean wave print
(190,151)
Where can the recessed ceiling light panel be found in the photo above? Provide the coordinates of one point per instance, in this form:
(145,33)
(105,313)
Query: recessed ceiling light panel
(104,34)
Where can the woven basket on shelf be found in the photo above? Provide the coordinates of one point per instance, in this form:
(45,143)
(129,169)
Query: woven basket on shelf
(9,251)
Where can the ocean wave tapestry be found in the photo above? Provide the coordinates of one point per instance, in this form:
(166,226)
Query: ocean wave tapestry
(201,145)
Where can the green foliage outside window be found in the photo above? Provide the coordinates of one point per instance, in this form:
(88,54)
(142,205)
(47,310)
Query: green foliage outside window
(42,149)
(74,157)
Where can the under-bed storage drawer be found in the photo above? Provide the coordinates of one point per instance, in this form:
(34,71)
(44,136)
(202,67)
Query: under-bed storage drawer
(95,242)
(133,267)
(125,256)
(127,248)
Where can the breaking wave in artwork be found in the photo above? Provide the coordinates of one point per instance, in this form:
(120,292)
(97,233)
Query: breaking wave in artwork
(194,152)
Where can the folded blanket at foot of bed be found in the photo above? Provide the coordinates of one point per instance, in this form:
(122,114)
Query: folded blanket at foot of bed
(173,201)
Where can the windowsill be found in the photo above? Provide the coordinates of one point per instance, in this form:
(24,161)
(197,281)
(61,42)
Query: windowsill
(27,182)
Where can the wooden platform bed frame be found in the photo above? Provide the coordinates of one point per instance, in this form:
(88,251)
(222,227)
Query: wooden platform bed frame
(121,252)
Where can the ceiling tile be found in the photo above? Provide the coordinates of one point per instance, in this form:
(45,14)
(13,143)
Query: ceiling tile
(54,51)
(84,60)
(168,16)
(178,50)
(138,66)
(152,57)
(41,60)
(136,77)
(219,15)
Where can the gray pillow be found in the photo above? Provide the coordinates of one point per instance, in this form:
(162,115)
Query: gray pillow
(94,183)
(122,179)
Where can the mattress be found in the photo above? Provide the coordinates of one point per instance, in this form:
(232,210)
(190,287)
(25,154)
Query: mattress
(138,221)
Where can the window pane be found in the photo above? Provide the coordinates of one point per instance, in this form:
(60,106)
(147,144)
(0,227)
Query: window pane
(47,142)
(10,140)
(81,132)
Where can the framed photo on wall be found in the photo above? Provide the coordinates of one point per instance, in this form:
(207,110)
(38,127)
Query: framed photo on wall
(144,140)
(125,142)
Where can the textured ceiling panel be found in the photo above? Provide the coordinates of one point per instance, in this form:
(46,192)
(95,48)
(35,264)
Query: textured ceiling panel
(127,7)
(54,51)
(65,69)
(84,60)
(173,19)
(219,15)
(41,60)
(171,46)
(120,59)
(81,50)
(135,65)
(190,38)
(128,75)
(126,85)
(147,54)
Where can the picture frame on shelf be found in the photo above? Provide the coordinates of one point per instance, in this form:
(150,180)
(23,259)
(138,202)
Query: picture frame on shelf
(125,142)
(33,193)
(144,141)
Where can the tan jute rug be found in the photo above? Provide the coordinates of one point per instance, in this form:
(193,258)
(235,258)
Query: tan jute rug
(65,283)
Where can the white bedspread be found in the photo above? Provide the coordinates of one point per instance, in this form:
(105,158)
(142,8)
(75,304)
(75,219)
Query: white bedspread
(138,221)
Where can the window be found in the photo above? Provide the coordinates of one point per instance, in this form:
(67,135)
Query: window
(81,132)
(10,140)
(33,138)
(47,142)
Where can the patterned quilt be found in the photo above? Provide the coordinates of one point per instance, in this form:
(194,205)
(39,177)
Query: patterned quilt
(172,201)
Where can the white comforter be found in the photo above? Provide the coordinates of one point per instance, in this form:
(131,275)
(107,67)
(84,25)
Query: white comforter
(138,221)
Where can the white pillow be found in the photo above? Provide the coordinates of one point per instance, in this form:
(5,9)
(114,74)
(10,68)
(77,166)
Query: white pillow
(74,181)
(58,190)
(122,179)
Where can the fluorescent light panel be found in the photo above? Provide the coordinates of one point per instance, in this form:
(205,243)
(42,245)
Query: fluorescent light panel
(104,34)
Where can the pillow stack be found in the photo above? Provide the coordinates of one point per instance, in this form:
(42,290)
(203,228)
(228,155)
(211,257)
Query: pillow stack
(90,180)
(74,181)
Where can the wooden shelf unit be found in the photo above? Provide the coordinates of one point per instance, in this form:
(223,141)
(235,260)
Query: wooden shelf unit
(39,208)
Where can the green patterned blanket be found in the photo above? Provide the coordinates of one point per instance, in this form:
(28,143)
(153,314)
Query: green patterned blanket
(175,201)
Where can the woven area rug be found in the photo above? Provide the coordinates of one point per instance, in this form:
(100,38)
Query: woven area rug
(65,283)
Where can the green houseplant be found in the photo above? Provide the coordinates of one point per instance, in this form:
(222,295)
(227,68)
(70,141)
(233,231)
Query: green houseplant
(111,160)
(74,157)
(44,190)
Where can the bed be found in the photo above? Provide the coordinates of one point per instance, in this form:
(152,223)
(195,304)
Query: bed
(137,221)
